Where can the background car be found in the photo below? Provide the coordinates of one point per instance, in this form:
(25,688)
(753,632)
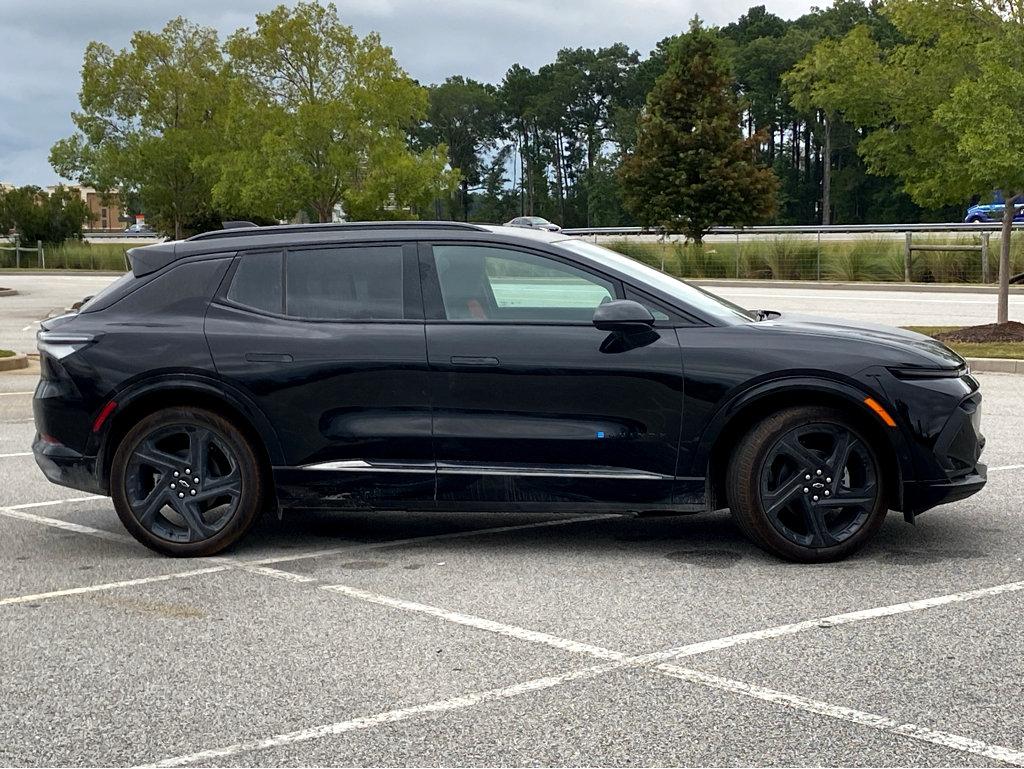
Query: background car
(992,212)
(533,222)
(448,366)
(140,229)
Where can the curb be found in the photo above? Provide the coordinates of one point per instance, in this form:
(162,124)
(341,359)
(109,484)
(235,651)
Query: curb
(938,288)
(996,365)
(7,292)
(18,360)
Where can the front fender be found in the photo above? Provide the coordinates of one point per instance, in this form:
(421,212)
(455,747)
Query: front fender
(791,390)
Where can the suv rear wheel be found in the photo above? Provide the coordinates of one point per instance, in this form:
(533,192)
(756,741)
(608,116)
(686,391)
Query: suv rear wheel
(806,485)
(186,482)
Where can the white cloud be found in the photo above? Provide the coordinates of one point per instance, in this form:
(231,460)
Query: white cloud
(43,44)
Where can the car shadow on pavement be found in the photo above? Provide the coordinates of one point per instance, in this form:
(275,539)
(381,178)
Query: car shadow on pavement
(708,540)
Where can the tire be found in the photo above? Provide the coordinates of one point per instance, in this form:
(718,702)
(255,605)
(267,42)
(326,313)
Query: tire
(176,508)
(787,495)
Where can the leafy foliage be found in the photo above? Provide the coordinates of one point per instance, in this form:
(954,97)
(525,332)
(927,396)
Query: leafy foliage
(36,215)
(692,168)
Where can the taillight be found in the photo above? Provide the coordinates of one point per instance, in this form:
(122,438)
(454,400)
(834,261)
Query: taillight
(59,345)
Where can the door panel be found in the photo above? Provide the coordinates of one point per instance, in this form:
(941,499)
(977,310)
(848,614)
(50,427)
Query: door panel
(546,412)
(348,398)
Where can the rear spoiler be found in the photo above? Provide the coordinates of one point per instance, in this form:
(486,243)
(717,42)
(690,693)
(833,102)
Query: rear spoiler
(147,259)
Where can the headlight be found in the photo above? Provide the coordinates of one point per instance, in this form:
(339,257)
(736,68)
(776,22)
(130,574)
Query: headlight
(930,373)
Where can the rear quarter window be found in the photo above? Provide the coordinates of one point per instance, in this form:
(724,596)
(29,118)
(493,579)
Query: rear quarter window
(257,282)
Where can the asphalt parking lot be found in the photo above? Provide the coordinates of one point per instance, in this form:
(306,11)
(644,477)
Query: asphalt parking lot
(483,639)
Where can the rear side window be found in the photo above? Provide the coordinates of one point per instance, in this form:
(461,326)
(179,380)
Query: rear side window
(346,283)
(257,282)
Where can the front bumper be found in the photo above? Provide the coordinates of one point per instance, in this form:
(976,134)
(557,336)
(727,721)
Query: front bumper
(66,467)
(919,496)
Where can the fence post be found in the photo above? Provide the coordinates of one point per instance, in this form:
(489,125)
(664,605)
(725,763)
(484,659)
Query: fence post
(17,252)
(819,255)
(986,270)
(737,255)
(42,258)
(907,272)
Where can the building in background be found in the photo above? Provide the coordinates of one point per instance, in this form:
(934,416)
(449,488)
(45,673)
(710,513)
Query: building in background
(105,213)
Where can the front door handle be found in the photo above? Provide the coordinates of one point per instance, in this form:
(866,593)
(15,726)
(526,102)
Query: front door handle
(473,360)
(268,357)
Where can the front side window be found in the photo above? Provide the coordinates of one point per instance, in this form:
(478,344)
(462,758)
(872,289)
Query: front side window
(346,283)
(500,284)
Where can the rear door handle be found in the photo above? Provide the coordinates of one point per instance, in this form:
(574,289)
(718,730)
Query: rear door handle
(268,357)
(473,360)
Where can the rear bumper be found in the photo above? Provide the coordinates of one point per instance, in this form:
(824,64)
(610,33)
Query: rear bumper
(923,495)
(66,467)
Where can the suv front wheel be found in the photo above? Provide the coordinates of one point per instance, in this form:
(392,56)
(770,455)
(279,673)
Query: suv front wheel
(806,485)
(186,482)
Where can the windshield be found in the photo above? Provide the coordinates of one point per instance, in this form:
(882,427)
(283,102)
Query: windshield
(693,296)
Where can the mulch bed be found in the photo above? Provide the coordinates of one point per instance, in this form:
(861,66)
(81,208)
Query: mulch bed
(1011,331)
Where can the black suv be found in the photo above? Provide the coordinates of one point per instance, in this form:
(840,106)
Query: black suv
(445,366)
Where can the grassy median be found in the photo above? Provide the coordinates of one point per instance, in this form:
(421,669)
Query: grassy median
(973,349)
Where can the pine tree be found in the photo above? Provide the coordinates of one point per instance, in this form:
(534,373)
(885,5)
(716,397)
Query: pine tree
(692,169)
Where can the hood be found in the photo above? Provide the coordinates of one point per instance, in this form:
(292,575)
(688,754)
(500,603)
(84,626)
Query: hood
(923,351)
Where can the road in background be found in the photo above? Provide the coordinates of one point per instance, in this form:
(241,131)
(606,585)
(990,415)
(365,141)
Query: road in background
(42,295)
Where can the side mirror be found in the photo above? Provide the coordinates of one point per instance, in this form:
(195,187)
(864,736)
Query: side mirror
(623,315)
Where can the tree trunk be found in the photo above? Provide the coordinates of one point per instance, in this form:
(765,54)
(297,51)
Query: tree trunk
(826,174)
(1003,307)
(465,200)
(177,227)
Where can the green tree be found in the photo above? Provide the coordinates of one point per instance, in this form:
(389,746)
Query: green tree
(692,168)
(463,115)
(147,121)
(37,215)
(941,102)
(320,117)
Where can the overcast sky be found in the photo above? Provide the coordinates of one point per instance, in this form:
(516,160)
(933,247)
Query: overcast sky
(43,42)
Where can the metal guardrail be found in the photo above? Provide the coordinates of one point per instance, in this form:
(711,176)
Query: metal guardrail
(823,229)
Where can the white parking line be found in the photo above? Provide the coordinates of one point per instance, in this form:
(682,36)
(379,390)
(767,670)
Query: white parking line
(56,523)
(389,717)
(52,502)
(425,539)
(687,650)
(807,705)
(109,585)
(618,660)
(19,454)
(1005,467)
(23,392)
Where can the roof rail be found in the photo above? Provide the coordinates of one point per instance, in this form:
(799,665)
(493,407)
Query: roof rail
(239,229)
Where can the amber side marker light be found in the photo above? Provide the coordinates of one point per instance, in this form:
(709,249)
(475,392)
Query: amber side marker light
(875,406)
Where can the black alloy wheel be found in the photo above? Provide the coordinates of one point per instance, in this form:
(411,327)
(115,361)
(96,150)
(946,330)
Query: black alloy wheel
(186,482)
(806,484)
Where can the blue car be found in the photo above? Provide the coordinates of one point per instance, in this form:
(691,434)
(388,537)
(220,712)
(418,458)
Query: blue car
(992,212)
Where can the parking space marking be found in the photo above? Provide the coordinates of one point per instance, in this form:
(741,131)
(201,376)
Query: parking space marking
(52,502)
(19,454)
(863,718)
(687,650)
(110,585)
(655,661)
(1005,467)
(390,716)
(428,538)
(500,628)
(23,392)
(56,523)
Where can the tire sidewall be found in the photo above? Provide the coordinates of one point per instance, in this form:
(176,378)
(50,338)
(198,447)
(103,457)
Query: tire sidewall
(250,499)
(750,512)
